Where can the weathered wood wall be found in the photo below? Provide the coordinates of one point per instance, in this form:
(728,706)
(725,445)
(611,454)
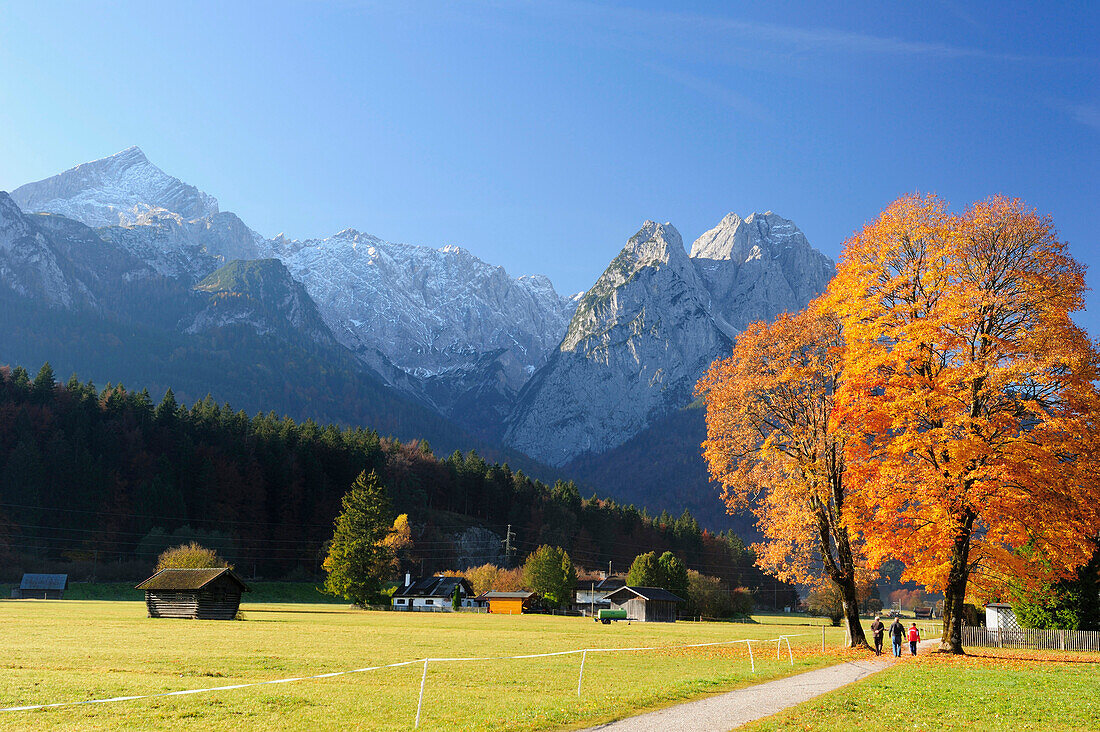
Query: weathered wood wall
(199,605)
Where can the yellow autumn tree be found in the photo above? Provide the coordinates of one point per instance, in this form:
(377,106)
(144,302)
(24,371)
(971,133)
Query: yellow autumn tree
(968,395)
(773,444)
(399,540)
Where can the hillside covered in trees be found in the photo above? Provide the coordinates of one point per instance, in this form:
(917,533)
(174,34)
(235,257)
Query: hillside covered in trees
(108,475)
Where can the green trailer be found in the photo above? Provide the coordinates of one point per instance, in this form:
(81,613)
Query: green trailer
(606,616)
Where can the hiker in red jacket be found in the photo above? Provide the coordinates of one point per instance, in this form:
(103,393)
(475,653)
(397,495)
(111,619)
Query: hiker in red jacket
(914,638)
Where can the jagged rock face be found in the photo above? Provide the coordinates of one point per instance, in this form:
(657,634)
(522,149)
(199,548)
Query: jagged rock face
(114,190)
(653,323)
(189,249)
(758,267)
(28,264)
(262,295)
(637,343)
(428,311)
(60,261)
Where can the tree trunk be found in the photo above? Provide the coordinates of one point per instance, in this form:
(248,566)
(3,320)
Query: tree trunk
(841,570)
(954,595)
(856,637)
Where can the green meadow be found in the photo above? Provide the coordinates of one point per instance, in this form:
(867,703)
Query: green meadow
(69,651)
(989,690)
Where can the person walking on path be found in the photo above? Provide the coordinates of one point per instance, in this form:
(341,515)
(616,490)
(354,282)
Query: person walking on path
(877,629)
(897,634)
(914,638)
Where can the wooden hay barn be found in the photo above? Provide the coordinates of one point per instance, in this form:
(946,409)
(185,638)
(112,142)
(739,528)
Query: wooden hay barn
(507,603)
(201,594)
(646,604)
(41,587)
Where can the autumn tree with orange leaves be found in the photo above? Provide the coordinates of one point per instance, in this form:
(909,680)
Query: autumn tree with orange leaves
(968,394)
(771,435)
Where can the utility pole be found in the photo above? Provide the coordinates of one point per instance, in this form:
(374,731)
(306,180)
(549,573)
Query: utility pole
(509,537)
(609,569)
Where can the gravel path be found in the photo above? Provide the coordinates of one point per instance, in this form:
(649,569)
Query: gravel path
(733,709)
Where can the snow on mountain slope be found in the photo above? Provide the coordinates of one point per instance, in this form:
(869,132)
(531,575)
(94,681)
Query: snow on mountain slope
(61,262)
(178,247)
(113,190)
(429,311)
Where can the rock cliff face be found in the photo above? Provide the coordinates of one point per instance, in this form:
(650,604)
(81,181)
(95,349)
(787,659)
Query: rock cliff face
(559,378)
(758,267)
(634,349)
(113,190)
(460,334)
(433,314)
(653,322)
(262,295)
(185,248)
(61,262)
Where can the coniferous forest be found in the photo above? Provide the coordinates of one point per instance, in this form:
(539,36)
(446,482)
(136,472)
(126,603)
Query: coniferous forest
(110,476)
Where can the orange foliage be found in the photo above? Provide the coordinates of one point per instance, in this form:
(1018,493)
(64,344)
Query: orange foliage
(771,436)
(969,394)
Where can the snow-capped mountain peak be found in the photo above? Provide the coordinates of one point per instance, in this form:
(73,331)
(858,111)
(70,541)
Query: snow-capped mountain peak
(114,190)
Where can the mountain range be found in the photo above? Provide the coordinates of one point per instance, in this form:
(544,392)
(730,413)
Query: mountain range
(153,282)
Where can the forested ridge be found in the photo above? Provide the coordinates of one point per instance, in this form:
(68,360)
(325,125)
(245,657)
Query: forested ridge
(88,471)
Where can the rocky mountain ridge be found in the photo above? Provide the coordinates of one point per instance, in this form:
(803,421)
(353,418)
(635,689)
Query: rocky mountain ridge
(113,190)
(439,324)
(562,379)
(656,318)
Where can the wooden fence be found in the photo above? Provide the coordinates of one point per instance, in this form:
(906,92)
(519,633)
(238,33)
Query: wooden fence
(1051,640)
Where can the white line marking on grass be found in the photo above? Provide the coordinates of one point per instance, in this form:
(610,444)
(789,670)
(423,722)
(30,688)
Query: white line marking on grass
(186,692)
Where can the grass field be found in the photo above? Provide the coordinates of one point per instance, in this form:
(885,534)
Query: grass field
(63,651)
(994,690)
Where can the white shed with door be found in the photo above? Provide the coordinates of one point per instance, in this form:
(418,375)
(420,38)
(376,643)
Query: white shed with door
(999,616)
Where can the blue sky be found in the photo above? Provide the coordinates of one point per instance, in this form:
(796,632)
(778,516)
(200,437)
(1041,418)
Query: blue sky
(541,135)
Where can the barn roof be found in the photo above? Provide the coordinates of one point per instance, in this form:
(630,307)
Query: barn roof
(188,579)
(44,582)
(500,595)
(433,587)
(646,593)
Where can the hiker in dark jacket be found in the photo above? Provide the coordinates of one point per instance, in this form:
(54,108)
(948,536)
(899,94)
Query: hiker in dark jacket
(897,635)
(877,629)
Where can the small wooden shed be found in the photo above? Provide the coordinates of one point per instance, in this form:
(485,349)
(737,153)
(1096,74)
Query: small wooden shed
(41,587)
(999,616)
(646,604)
(202,594)
(507,603)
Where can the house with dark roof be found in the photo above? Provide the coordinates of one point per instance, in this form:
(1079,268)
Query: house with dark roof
(433,594)
(592,594)
(646,604)
(41,587)
(203,594)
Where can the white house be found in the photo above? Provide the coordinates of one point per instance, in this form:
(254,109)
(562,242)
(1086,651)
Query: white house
(592,595)
(433,594)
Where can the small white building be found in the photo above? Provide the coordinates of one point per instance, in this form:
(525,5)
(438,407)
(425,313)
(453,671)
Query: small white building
(433,594)
(592,595)
(999,616)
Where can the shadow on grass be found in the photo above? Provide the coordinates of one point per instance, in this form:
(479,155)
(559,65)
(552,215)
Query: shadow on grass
(251,610)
